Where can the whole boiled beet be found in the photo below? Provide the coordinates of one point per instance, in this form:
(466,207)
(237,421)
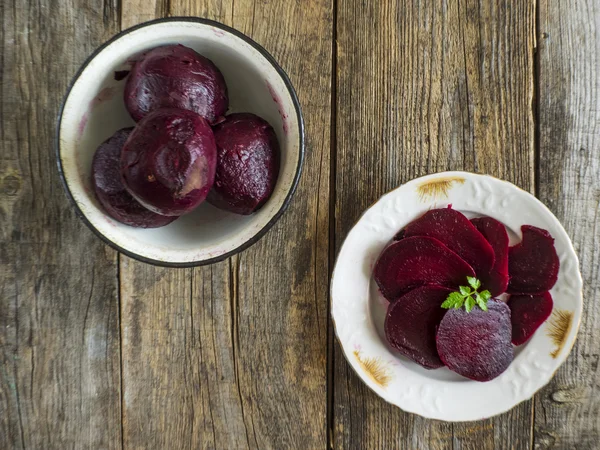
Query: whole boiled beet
(168,163)
(109,189)
(174,76)
(247,163)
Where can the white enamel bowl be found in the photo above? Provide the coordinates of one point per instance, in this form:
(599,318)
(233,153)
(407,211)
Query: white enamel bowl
(358,309)
(93,109)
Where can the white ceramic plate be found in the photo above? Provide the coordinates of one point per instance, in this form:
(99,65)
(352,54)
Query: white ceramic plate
(358,309)
(94,109)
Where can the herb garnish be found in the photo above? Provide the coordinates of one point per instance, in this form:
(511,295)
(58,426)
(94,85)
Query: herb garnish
(468,296)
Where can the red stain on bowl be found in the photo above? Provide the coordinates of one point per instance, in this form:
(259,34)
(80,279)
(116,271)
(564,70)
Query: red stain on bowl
(104,95)
(82,123)
(280,108)
(218,33)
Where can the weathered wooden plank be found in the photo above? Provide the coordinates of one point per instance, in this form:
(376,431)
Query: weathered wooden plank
(178,337)
(179,345)
(425,87)
(160,367)
(138,11)
(282,282)
(221,357)
(568,409)
(59,329)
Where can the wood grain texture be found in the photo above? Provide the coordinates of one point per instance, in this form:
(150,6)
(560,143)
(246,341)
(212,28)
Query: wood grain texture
(59,330)
(234,356)
(425,87)
(282,281)
(179,382)
(568,409)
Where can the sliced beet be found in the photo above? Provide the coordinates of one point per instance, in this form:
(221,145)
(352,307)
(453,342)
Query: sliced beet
(418,261)
(456,232)
(495,233)
(476,344)
(528,312)
(109,189)
(174,76)
(247,163)
(168,163)
(533,263)
(412,321)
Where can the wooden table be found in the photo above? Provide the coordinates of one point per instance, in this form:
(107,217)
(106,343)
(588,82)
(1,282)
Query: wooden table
(101,351)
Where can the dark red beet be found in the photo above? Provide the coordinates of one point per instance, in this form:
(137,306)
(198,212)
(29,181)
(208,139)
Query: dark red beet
(168,163)
(106,178)
(495,233)
(412,321)
(476,344)
(533,263)
(247,163)
(418,261)
(455,231)
(528,312)
(174,76)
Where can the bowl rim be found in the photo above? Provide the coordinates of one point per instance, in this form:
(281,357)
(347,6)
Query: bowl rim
(301,148)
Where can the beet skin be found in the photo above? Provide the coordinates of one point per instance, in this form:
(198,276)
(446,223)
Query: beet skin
(412,321)
(168,163)
(495,233)
(455,231)
(174,76)
(247,163)
(528,312)
(476,344)
(106,178)
(417,261)
(533,263)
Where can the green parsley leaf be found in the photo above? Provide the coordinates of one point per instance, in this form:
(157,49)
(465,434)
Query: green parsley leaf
(453,299)
(481,302)
(468,297)
(469,304)
(474,282)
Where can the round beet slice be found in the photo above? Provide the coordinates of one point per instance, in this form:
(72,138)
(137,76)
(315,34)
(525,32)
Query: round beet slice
(174,76)
(457,233)
(247,163)
(417,261)
(168,163)
(496,281)
(412,321)
(109,189)
(476,344)
(533,263)
(528,312)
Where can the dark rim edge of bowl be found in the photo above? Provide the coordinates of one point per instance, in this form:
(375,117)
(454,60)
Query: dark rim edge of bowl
(301,149)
